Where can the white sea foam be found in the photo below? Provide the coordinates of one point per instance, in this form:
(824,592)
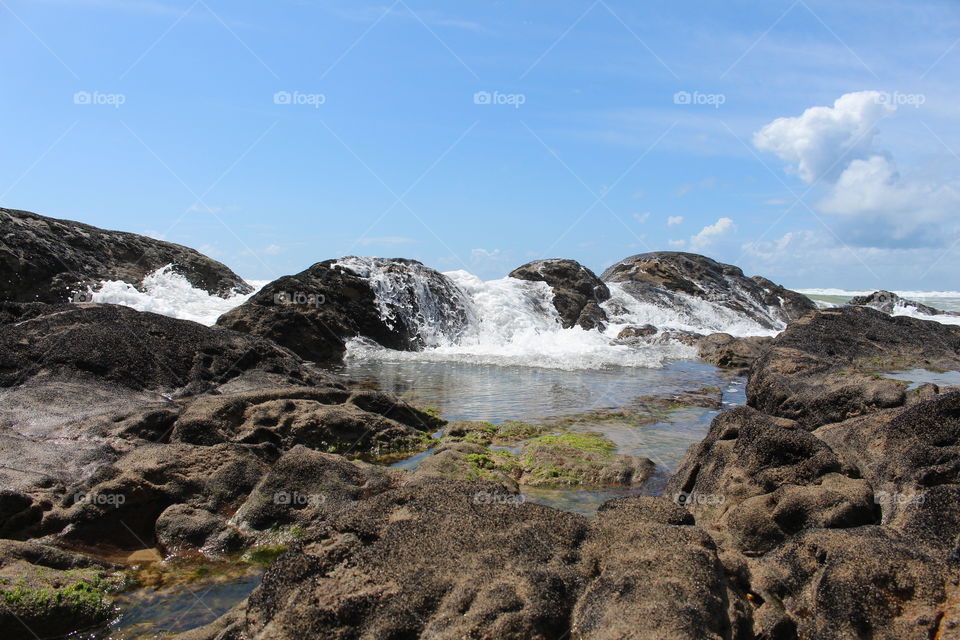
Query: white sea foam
(689,314)
(170,294)
(513,322)
(863,292)
(510,322)
(944,300)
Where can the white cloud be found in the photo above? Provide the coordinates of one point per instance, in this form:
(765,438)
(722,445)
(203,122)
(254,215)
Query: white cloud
(820,143)
(642,217)
(677,243)
(872,203)
(710,233)
(674,220)
(817,259)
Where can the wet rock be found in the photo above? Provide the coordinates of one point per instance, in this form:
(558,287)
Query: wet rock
(888,302)
(577,291)
(567,459)
(457,460)
(138,351)
(314,312)
(637,332)
(181,527)
(48,260)
(431,560)
(727,352)
(663,278)
(911,457)
(47,592)
(825,367)
(327,419)
(580,459)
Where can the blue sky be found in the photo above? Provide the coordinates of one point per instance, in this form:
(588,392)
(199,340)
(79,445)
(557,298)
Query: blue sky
(482,135)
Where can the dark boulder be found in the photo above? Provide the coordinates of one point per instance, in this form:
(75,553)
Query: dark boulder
(888,302)
(397,303)
(828,366)
(138,351)
(727,352)
(577,291)
(634,333)
(48,260)
(663,278)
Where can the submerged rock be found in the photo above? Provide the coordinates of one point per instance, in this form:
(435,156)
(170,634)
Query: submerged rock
(397,303)
(577,291)
(49,260)
(670,279)
(559,460)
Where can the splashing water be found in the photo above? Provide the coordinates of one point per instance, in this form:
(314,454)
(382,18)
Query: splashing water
(431,308)
(513,322)
(168,293)
(687,313)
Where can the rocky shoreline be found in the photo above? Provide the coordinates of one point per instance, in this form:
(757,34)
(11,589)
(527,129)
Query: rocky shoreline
(825,508)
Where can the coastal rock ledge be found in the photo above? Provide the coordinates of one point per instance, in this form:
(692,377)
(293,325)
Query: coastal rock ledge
(801,516)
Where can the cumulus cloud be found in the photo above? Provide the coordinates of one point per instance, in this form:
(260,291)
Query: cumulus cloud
(673,220)
(821,142)
(710,233)
(817,259)
(873,204)
(642,217)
